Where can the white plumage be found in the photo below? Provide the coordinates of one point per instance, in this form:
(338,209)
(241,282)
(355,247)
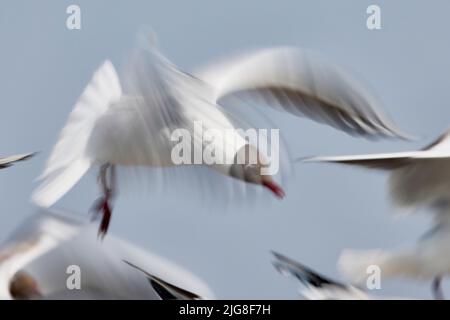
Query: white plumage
(129,122)
(418,179)
(303,84)
(47,244)
(318,287)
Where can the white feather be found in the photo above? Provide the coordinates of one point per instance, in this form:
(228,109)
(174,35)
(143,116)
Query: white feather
(303,84)
(69,159)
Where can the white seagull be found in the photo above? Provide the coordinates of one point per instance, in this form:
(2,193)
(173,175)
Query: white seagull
(6,162)
(36,263)
(128,122)
(418,179)
(318,287)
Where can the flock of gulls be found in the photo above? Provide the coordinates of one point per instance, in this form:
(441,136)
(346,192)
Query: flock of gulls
(124,121)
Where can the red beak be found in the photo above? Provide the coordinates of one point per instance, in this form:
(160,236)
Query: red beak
(275,188)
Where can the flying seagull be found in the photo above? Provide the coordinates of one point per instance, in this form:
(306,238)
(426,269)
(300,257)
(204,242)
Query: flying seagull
(428,259)
(129,122)
(34,265)
(418,179)
(318,287)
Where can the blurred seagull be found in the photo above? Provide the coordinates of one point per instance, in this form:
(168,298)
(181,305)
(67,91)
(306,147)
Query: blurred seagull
(318,287)
(34,262)
(428,259)
(9,161)
(131,126)
(418,179)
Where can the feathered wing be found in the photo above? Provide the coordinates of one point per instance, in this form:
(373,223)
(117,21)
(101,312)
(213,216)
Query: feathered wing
(418,178)
(9,161)
(316,286)
(171,99)
(383,161)
(165,290)
(302,84)
(69,160)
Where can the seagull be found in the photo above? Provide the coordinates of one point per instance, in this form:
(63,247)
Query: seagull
(418,180)
(128,121)
(425,260)
(6,162)
(35,260)
(319,287)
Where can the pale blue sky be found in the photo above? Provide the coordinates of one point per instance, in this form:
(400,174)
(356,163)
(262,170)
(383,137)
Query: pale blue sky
(44,67)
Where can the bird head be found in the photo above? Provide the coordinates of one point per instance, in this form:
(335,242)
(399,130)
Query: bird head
(24,287)
(248,167)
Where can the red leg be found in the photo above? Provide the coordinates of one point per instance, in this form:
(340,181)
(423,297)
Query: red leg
(106,218)
(102,204)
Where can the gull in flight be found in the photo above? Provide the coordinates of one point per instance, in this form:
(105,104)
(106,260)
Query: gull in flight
(35,260)
(9,161)
(418,179)
(318,287)
(128,122)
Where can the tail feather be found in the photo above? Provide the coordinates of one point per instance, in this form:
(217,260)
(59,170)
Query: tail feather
(68,161)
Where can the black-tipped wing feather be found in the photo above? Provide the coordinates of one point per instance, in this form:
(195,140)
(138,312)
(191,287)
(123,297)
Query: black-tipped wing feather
(165,290)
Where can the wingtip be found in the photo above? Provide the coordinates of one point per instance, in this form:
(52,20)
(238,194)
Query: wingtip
(277,255)
(31,155)
(307,159)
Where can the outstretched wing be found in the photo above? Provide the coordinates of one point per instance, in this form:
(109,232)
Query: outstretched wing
(304,85)
(165,290)
(383,161)
(316,286)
